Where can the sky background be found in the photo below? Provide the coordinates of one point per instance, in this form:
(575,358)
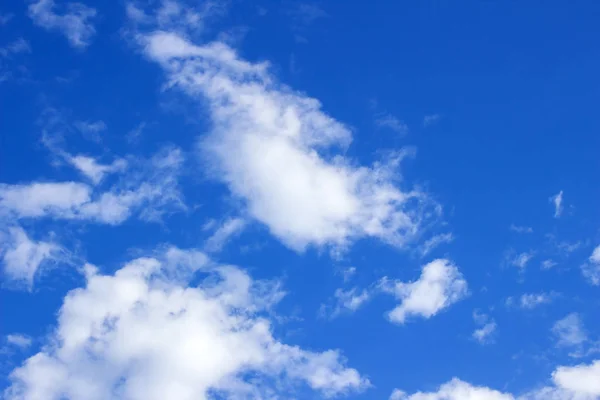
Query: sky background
(444,166)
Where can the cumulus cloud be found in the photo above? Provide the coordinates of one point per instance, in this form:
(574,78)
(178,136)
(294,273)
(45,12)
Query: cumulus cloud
(557,201)
(23,257)
(440,285)
(279,152)
(148,190)
(454,390)
(580,382)
(75,23)
(591,269)
(143,333)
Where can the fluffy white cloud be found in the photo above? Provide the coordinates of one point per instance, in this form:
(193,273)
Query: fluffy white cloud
(143,333)
(454,390)
(279,152)
(148,191)
(591,269)
(75,23)
(581,379)
(440,285)
(580,382)
(557,201)
(22,257)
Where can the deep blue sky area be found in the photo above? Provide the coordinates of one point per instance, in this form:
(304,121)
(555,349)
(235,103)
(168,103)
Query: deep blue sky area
(130,128)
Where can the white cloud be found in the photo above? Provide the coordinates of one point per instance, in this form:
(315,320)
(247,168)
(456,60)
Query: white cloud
(348,273)
(349,300)
(484,334)
(569,331)
(521,260)
(391,122)
(557,201)
(143,333)
(532,300)
(435,241)
(230,228)
(75,23)
(579,382)
(19,340)
(547,264)
(18,46)
(581,379)
(440,285)
(591,269)
(149,190)
(521,229)
(455,390)
(429,120)
(23,257)
(94,171)
(276,150)
(90,129)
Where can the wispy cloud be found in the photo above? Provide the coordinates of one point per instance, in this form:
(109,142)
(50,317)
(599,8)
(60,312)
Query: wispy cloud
(224,233)
(432,119)
(547,264)
(520,260)
(530,301)
(90,129)
(591,269)
(557,201)
(303,15)
(435,241)
(23,257)
(19,45)
(484,334)
(19,340)
(5,18)
(389,121)
(521,229)
(75,23)
(570,333)
(346,301)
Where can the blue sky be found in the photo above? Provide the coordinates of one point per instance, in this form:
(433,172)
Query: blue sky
(227,199)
